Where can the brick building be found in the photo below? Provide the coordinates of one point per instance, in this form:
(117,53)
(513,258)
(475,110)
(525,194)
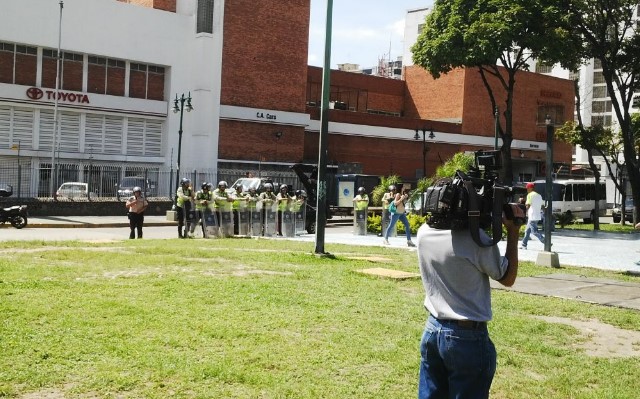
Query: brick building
(256,100)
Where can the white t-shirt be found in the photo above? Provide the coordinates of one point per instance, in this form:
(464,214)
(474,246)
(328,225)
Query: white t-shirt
(535,202)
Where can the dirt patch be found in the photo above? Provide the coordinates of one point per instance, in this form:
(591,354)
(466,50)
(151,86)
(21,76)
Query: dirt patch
(45,249)
(602,340)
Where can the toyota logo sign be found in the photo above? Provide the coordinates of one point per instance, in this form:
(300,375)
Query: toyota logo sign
(34,93)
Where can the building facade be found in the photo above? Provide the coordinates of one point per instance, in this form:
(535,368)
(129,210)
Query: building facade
(255,99)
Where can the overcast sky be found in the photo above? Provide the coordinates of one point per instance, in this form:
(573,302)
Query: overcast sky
(363,30)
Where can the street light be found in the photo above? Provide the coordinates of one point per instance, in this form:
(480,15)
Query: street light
(548,188)
(178,106)
(425,147)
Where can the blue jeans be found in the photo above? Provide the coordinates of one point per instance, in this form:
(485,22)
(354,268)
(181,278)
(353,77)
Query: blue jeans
(532,228)
(456,362)
(392,225)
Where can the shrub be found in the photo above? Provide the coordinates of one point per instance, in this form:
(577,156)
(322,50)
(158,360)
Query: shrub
(564,219)
(374,224)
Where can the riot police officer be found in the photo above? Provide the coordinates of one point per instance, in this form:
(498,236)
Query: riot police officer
(185,197)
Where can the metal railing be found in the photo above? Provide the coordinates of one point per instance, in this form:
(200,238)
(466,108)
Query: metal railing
(104,180)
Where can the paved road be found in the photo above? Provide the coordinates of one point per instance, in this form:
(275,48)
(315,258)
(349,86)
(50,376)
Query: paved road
(578,248)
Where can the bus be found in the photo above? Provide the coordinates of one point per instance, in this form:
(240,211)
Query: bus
(575,197)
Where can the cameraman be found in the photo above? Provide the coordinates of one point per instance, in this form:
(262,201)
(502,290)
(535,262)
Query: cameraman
(458,358)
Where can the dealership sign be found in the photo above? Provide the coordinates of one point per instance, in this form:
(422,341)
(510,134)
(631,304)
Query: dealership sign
(36,93)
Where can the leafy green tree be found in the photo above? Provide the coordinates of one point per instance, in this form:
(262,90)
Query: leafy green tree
(607,30)
(383,187)
(498,38)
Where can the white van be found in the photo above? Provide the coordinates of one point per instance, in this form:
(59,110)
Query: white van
(575,197)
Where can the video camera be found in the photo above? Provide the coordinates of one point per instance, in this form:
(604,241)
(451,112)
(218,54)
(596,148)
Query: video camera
(473,200)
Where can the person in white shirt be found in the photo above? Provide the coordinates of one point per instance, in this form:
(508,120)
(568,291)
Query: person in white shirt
(534,215)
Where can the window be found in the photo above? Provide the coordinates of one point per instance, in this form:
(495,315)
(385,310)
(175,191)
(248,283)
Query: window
(115,77)
(205,16)
(601,106)
(420,28)
(597,64)
(600,92)
(543,68)
(555,112)
(598,77)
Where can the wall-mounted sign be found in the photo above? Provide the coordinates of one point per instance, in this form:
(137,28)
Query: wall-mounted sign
(266,115)
(36,93)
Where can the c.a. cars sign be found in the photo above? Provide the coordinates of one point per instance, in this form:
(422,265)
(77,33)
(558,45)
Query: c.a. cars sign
(36,93)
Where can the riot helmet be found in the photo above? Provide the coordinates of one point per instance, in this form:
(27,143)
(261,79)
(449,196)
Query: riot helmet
(205,186)
(283,187)
(392,187)
(361,190)
(185,181)
(137,189)
(222,184)
(268,186)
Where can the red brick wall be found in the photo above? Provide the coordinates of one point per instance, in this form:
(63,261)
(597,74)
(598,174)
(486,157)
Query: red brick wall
(137,84)
(167,5)
(361,92)
(155,89)
(26,69)
(49,72)
(265,54)
(115,81)
(429,98)
(71,75)
(96,78)
(6,66)
(251,141)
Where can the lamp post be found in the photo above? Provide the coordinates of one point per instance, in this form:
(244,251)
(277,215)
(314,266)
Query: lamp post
(548,189)
(179,106)
(425,147)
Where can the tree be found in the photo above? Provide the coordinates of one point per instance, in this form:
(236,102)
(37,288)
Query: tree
(596,140)
(498,37)
(606,30)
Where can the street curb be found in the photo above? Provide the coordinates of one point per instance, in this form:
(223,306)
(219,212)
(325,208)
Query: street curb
(87,225)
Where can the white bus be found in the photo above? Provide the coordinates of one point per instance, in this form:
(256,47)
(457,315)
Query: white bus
(575,197)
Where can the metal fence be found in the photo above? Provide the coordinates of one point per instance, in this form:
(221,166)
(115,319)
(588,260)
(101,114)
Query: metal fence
(104,180)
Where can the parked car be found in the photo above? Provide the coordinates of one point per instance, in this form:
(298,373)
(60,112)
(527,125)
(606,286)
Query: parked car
(628,211)
(125,188)
(74,190)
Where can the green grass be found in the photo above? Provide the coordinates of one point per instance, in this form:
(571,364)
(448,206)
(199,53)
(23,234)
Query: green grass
(263,319)
(605,227)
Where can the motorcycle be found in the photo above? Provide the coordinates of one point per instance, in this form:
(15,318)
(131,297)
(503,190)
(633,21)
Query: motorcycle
(16,215)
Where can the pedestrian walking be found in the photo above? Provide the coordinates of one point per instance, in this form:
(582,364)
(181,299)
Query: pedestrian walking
(136,204)
(534,204)
(398,213)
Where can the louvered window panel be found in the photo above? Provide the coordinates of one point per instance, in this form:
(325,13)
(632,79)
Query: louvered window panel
(94,134)
(5,127)
(69,132)
(46,130)
(23,128)
(153,138)
(113,134)
(135,137)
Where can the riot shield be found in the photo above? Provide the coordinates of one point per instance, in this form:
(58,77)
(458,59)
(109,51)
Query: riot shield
(210,223)
(386,219)
(255,217)
(286,223)
(300,217)
(270,212)
(360,221)
(244,219)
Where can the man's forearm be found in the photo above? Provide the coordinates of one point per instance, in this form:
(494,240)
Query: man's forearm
(512,256)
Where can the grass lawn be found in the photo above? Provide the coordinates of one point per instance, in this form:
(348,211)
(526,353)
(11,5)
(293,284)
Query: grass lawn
(264,319)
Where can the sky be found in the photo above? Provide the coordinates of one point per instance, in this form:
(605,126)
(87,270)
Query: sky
(362,31)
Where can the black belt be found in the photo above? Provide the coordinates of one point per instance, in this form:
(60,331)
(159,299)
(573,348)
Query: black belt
(466,324)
